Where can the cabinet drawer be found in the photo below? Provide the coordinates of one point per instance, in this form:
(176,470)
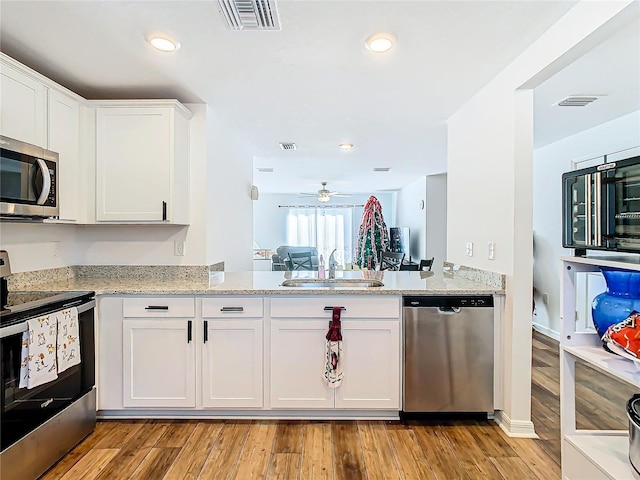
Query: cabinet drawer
(365,306)
(158,307)
(232,307)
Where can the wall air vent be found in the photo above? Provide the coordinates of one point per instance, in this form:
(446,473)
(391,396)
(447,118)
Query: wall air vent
(265,170)
(381,169)
(287,146)
(250,14)
(578,100)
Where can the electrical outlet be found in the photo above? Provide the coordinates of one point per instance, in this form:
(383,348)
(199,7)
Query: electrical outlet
(545,298)
(55,250)
(469,249)
(178,248)
(491,253)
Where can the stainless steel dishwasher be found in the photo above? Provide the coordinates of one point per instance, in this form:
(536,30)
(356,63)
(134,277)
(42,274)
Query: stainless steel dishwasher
(448,354)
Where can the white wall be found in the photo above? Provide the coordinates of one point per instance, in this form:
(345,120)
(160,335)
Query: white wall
(550,163)
(436,207)
(410,213)
(229,205)
(270,221)
(490,193)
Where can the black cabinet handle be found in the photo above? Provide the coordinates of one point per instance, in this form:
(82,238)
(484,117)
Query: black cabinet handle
(189,332)
(331,308)
(232,309)
(157,307)
(206,331)
(164,211)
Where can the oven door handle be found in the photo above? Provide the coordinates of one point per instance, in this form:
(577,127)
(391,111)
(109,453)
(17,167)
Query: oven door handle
(13,329)
(46,181)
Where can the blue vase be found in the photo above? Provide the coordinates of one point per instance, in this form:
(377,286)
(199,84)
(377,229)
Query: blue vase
(621,298)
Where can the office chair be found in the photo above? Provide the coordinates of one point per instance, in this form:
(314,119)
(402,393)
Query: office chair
(391,260)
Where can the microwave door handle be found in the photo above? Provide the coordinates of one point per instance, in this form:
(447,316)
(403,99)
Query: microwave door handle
(598,207)
(46,181)
(588,210)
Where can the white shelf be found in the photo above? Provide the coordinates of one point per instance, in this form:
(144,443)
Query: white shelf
(627,262)
(609,453)
(607,363)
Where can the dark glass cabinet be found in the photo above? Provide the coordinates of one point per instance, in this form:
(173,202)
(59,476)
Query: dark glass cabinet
(601,207)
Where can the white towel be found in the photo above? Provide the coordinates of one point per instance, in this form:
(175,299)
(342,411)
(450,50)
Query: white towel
(333,373)
(38,364)
(68,339)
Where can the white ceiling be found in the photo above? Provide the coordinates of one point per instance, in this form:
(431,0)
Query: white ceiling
(313,82)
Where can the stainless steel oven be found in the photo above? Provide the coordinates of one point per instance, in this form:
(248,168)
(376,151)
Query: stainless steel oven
(28,180)
(40,424)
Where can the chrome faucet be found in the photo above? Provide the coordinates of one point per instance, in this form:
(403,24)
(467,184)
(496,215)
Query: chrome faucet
(332,264)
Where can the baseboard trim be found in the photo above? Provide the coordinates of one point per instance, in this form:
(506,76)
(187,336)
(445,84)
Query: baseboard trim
(546,331)
(515,428)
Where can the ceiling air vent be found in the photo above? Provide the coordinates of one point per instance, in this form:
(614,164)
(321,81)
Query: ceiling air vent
(381,169)
(287,145)
(578,100)
(250,14)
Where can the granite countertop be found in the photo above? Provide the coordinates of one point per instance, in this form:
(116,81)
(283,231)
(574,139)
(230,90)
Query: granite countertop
(268,283)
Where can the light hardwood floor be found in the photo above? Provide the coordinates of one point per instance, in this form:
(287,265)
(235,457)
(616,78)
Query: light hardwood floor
(371,450)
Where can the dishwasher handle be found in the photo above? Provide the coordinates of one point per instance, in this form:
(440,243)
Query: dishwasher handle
(448,310)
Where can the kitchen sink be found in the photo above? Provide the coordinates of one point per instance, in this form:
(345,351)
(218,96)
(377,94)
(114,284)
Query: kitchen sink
(331,283)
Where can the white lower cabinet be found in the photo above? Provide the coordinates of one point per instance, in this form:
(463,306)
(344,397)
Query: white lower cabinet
(371,353)
(159,352)
(208,353)
(232,352)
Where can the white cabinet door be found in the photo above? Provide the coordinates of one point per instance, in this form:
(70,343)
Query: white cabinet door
(142,161)
(297,365)
(158,363)
(232,363)
(64,138)
(371,365)
(23,112)
(133,159)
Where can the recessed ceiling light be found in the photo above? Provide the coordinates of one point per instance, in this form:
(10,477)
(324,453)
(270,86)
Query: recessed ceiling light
(164,44)
(345,146)
(380,42)
(381,169)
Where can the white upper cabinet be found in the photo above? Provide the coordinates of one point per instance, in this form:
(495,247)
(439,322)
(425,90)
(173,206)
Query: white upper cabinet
(142,162)
(64,138)
(22,106)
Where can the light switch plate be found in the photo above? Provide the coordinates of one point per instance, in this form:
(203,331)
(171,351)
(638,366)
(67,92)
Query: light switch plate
(491,251)
(469,249)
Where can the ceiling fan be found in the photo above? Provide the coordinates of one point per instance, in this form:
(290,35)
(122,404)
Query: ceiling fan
(324,194)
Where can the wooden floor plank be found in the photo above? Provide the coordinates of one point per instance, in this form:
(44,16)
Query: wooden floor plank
(515,468)
(494,445)
(439,453)
(155,464)
(412,462)
(222,461)
(289,437)
(379,457)
(473,458)
(89,466)
(254,458)
(284,466)
(116,437)
(347,452)
(190,461)
(176,435)
(124,464)
(317,452)
(70,459)
(536,458)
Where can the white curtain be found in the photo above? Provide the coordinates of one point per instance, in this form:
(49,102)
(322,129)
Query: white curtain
(324,228)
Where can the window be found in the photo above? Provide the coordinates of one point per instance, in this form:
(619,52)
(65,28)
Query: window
(324,228)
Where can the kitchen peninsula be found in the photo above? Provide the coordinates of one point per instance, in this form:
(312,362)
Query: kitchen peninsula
(239,344)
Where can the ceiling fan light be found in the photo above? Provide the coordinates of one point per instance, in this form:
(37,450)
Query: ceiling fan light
(345,146)
(324,198)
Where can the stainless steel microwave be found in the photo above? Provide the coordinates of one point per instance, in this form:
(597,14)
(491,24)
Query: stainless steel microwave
(28,180)
(601,207)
